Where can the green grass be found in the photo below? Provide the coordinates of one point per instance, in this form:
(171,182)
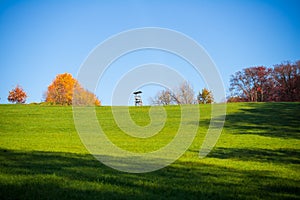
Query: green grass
(256,157)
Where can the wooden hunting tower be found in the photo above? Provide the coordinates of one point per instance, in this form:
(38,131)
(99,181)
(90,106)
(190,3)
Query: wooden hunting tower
(137,98)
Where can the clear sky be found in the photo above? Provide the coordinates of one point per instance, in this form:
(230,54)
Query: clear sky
(40,39)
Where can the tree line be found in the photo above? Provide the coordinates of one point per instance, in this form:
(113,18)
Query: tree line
(183,94)
(253,84)
(262,84)
(61,92)
(64,87)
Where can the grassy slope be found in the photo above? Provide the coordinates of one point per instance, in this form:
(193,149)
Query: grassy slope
(257,156)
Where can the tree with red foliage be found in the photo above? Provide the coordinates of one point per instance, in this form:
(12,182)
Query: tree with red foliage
(236,99)
(17,95)
(287,81)
(251,84)
(265,84)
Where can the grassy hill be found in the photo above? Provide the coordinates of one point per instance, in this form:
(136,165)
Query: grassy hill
(256,157)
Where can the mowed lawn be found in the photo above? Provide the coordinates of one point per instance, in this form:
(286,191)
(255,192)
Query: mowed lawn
(256,157)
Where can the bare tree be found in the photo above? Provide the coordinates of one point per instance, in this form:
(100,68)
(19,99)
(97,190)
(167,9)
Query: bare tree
(163,97)
(184,94)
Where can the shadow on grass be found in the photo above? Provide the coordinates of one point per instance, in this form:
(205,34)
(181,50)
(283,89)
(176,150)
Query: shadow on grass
(280,120)
(281,156)
(48,175)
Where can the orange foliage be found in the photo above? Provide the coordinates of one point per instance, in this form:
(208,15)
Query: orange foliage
(17,95)
(84,97)
(63,88)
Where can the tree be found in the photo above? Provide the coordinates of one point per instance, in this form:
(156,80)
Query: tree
(265,84)
(235,99)
(287,81)
(63,88)
(17,95)
(205,97)
(163,98)
(183,94)
(84,97)
(252,84)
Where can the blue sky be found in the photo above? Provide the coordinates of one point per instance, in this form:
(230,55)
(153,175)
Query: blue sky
(40,39)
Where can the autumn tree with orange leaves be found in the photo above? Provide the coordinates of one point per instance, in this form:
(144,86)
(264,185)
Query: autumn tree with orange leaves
(17,95)
(63,88)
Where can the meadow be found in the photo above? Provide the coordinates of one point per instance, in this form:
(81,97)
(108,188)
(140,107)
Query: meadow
(256,157)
